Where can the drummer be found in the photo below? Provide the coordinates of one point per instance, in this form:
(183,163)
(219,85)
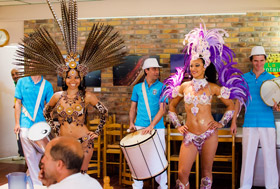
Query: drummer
(258,129)
(27,96)
(139,110)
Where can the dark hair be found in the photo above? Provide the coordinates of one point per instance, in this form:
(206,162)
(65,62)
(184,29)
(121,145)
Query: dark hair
(210,72)
(251,57)
(64,153)
(82,86)
(145,71)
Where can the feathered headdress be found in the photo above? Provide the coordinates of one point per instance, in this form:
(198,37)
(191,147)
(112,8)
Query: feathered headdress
(210,46)
(40,55)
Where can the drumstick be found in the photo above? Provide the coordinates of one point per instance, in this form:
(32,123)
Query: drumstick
(274,101)
(17,135)
(128,130)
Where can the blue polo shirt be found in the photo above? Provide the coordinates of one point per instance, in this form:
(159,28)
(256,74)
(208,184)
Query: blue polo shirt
(258,114)
(153,94)
(27,91)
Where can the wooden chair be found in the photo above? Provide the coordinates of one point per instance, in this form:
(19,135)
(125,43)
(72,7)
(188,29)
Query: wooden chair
(126,178)
(113,133)
(94,166)
(173,157)
(226,137)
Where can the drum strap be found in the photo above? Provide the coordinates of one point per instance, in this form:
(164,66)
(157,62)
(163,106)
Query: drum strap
(39,97)
(146,101)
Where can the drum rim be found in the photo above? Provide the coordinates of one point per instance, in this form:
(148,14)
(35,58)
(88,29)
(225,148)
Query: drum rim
(261,94)
(154,175)
(131,145)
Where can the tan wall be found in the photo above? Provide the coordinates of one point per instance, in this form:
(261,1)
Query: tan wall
(163,36)
(15,29)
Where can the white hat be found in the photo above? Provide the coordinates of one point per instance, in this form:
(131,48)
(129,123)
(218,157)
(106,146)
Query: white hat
(151,63)
(257,50)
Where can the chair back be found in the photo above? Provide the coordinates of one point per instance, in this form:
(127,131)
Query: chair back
(113,133)
(225,136)
(94,166)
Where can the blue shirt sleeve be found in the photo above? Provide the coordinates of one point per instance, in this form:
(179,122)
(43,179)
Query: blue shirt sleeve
(18,93)
(134,96)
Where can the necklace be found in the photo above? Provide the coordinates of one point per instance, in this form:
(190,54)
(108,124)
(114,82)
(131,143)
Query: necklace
(71,101)
(198,84)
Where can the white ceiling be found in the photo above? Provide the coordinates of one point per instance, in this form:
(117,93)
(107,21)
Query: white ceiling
(37,9)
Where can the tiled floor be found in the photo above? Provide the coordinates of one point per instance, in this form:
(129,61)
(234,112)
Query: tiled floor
(8,166)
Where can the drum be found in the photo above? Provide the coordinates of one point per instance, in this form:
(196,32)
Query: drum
(270,91)
(144,154)
(40,135)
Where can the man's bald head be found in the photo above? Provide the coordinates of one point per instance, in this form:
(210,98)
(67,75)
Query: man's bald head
(67,149)
(14,74)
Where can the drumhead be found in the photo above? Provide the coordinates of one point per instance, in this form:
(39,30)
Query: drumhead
(270,90)
(38,131)
(136,138)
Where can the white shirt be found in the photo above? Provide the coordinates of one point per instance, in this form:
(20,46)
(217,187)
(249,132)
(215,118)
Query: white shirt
(77,181)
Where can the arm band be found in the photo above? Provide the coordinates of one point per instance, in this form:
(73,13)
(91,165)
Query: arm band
(226,117)
(174,119)
(225,93)
(176,92)
(102,111)
(47,114)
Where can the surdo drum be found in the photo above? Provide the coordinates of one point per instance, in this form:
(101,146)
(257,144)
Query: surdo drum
(270,91)
(144,154)
(40,135)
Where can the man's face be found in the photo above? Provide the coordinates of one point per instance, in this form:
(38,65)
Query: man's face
(14,74)
(49,165)
(258,62)
(152,73)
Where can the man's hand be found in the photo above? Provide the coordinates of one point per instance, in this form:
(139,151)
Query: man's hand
(132,128)
(43,179)
(17,129)
(147,130)
(275,106)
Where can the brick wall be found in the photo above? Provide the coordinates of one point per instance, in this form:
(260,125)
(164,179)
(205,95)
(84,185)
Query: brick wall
(163,36)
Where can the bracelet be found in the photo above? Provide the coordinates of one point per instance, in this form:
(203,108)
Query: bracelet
(226,117)
(174,119)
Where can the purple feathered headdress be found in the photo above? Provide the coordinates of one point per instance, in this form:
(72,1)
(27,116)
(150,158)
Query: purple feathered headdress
(210,45)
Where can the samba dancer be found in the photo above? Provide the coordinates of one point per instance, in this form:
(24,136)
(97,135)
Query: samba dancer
(205,53)
(70,105)
(40,54)
(139,111)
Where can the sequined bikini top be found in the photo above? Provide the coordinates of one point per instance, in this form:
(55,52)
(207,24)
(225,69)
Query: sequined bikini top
(202,99)
(72,110)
